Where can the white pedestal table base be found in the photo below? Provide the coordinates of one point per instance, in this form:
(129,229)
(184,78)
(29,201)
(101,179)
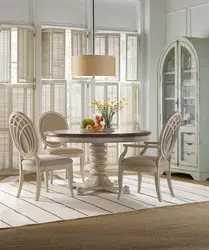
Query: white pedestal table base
(98,179)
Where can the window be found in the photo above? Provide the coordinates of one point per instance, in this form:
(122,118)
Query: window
(125,48)
(61,92)
(16,85)
(71,96)
(54,83)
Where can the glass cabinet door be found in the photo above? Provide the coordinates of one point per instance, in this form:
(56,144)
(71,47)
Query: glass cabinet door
(169,90)
(169,84)
(188,86)
(188,101)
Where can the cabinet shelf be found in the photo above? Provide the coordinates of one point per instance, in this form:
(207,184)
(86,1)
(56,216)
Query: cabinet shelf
(169,73)
(169,98)
(188,98)
(188,83)
(188,70)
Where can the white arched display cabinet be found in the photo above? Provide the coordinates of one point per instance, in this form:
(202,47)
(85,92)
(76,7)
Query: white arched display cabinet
(183,85)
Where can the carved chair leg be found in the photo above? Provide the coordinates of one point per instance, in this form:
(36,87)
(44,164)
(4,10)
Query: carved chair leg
(46,179)
(69,172)
(51,177)
(38,184)
(82,168)
(168,173)
(139,181)
(157,185)
(21,180)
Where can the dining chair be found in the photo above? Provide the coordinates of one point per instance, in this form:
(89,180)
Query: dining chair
(50,121)
(26,141)
(153,164)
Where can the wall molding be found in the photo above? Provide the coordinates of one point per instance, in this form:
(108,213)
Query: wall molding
(172,15)
(189,20)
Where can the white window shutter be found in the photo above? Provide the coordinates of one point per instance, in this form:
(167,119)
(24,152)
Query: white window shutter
(54,96)
(100,44)
(46,97)
(16,46)
(79,43)
(25,55)
(113,49)
(132,53)
(53,54)
(45,51)
(5,55)
(60,98)
(58,54)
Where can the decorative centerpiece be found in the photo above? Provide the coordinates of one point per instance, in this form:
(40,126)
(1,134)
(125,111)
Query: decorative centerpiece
(103,119)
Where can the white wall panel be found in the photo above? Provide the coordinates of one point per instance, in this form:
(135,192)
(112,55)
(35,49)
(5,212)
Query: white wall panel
(16,11)
(200,20)
(116,15)
(172,5)
(62,12)
(176,24)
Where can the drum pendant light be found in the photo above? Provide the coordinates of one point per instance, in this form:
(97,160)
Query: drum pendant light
(93,65)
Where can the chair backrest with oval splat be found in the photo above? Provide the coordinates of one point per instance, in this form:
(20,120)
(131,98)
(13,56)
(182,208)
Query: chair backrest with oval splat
(169,134)
(23,134)
(50,121)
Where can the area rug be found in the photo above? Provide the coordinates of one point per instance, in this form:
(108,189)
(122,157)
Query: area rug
(175,227)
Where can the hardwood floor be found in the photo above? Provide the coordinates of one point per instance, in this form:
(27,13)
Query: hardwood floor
(58,205)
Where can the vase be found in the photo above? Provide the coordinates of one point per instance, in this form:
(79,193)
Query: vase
(108,123)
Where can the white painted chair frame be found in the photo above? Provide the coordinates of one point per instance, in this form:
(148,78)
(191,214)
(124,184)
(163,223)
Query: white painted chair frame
(58,144)
(26,141)
(165,146)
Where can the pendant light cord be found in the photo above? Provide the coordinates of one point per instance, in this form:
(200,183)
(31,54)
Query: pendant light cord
(93,42)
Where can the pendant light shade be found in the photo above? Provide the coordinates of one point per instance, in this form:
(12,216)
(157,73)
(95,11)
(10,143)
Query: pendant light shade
(93,65)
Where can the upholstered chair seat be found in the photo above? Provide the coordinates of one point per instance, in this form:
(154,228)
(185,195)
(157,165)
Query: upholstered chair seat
(144,162)
(63,151)
(46,160)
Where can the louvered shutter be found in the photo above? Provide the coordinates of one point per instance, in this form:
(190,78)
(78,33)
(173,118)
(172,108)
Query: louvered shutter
(58,54)
(54,85)
(132,47)
(5,55)
(45,52)
(78,91)
(25,57)
(46,97)
(109,44)
(100,44)
(16,46)
(113,42)
(53,54)
(79,43)
(4,134)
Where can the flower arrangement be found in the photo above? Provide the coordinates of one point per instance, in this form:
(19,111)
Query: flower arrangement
(108,108)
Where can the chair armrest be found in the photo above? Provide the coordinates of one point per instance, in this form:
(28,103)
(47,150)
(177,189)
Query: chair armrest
(132,146)
(151,142)
(139,146)
(145,147)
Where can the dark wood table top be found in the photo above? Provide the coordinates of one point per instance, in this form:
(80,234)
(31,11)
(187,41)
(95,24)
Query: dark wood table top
(117,133)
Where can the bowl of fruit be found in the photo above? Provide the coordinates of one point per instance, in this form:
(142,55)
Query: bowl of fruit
(88,125)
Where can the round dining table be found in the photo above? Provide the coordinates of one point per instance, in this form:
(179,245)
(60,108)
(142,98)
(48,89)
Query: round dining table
(97,178)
